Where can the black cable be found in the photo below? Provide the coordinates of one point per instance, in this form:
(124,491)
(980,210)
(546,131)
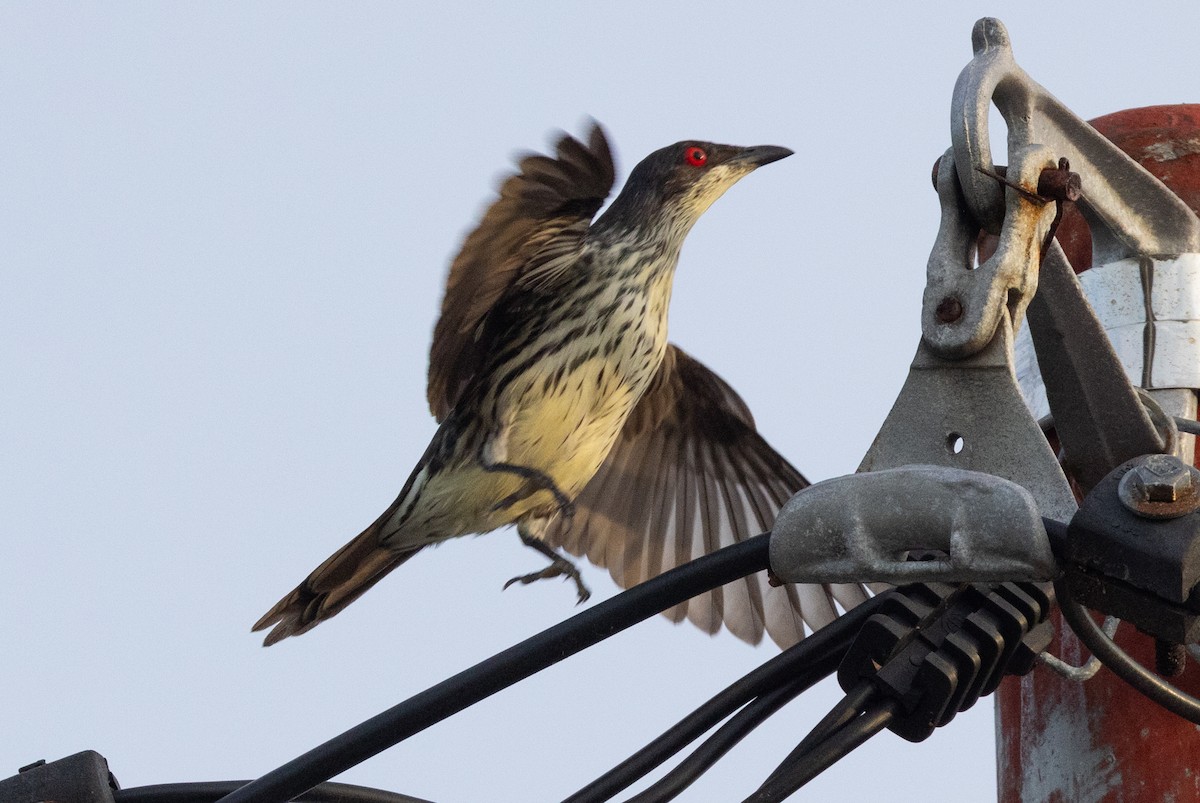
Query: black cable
(723,740)
(820,651)
(210,791)
(1187,425)
(836,746)
(850,706)
(504,669)
(1116,659)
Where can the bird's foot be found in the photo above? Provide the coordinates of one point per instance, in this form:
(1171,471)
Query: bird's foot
(559,567)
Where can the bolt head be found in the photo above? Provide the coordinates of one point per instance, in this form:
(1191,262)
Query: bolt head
(1160,486)
(1162,478)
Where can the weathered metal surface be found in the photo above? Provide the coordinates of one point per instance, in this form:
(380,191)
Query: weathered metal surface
(978,528)
(1004,283)
(1095,742)
(968,414)
(1126,208)
(1165,141)
(960,406)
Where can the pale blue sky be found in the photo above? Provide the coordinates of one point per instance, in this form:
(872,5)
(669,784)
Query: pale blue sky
(223,233)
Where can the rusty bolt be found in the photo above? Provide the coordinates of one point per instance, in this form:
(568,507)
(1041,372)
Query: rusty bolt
(949,310)
(1054,183)
(1059,185)
(1160,486)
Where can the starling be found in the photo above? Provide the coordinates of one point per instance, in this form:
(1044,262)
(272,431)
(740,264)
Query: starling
(563,408)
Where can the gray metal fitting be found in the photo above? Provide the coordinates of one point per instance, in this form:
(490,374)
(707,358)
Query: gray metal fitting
(1130,212)
(972,527)
(1160,486)
(961,307)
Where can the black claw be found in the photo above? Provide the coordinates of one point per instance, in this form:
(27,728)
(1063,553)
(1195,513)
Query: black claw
(524,579)
(558,564)
(558,567)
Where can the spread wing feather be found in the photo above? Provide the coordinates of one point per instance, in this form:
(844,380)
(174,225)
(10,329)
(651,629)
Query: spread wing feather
(690,474)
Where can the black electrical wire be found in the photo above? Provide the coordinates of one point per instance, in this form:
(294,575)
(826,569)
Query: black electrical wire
(722,741)
(850,706)
(504,669)
(1187,425)
(1149,684)
(820,651)
(211,791)
(785,781)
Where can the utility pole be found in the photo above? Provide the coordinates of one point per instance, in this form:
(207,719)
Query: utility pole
(1101,741)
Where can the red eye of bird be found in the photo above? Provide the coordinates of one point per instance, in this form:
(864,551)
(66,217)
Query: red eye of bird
(696,157)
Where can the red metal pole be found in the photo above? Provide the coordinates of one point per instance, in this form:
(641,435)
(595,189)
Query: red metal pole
(1100,741)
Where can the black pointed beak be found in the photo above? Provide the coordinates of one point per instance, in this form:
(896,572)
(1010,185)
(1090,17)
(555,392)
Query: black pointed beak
(761,155)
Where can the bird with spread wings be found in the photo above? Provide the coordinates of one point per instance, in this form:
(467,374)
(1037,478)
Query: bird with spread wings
(563,409)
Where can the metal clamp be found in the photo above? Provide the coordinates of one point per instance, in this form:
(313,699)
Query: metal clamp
(977,527)
(960,407)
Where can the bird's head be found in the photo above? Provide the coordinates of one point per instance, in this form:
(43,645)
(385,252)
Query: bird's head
(675,185)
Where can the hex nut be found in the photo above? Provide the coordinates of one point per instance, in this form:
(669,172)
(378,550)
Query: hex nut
(1161,486)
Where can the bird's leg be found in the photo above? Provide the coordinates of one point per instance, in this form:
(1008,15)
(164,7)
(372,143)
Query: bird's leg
(535,481)
(558,566)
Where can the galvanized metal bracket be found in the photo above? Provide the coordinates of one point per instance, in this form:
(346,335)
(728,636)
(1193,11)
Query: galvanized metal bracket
(1099,418)
(963,304)
(1129,211)
(960,406)
(968,414)
(977,527)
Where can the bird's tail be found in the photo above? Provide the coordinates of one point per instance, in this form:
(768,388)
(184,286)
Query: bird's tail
(333,585)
